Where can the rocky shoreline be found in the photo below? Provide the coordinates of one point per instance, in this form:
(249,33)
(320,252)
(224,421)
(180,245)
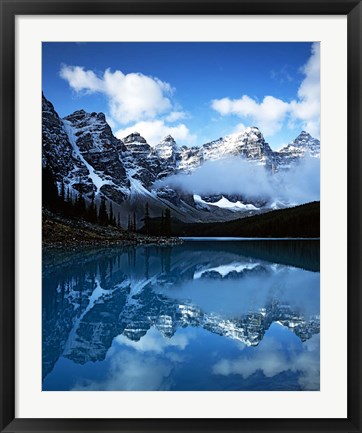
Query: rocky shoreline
(58,232)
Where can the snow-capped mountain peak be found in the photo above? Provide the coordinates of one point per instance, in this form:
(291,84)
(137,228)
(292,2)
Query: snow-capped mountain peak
(302,145)
(137,145)
(249,144)
(168,139)
(305,139)
(166,148)
(83,153)
(134,138)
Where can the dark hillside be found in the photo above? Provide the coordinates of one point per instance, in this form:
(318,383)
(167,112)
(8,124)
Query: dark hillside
(297,222)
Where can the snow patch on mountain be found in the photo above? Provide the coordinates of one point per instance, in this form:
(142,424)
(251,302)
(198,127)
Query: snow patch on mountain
(136,188)
(238,173)
(96,179)
(224,203)
(166,149)
(224,270)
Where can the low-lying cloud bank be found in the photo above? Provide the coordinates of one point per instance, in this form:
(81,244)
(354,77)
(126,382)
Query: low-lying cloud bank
(301,184)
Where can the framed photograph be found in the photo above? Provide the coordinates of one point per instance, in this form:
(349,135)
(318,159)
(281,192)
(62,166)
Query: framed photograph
(180,216)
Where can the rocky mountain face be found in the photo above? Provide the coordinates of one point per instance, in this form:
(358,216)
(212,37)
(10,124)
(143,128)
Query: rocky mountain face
(249,144)
(58,152)
(139,161)
(291,153)
(95,145)
(82,151)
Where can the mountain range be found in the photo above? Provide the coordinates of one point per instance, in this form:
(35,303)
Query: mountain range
(83,154)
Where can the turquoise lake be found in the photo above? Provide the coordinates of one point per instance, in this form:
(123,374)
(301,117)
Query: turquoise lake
(215,315)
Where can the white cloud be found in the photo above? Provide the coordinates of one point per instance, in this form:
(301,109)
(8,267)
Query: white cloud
(131,371)
(271,113)
(307,107)
(174,116)
(131,97)
(270,358)
(144,365)
(240,127)
(153,341)
(302,184)
(155,130)
(229,176)
(79,79)
(236,176)
(267,115)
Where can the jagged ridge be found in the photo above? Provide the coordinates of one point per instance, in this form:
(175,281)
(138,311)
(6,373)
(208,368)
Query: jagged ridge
(82,150)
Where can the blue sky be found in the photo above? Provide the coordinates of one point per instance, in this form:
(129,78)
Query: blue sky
(197,92)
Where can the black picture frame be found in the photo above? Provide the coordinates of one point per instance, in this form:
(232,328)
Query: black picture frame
(9,10)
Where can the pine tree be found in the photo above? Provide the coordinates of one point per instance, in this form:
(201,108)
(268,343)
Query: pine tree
(119,221)
(129,226)
(146,220)
(80,204)
(134,222)
(103,215)
(162,224)
(70,205)
(111,218)
(62,192)
(167,222)
(92,211)
(79,193)
(49,189)
(96,213)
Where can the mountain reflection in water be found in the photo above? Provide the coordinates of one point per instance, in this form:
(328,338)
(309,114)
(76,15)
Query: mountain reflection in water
(197,316)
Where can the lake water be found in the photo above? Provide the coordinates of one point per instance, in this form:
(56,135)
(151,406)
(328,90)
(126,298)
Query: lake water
(206,315)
